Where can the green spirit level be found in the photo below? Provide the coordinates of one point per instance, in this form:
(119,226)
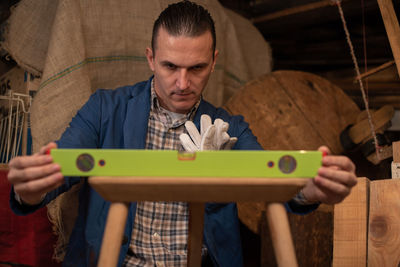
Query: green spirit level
(224,163)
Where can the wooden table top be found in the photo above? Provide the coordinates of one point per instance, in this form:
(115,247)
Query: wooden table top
(196,189)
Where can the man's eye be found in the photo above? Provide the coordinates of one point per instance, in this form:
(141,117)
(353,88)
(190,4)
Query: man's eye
(197,68)
(170,66)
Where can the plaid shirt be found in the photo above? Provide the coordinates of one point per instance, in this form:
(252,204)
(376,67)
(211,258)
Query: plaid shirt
(159,236)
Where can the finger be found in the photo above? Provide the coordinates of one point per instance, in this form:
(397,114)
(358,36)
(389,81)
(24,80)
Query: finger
(207,142)
(222,139)
(221,135)
(205,123)
(23,162)
(325,150)
(193,132)
(334,167)
(32,173)
(221,125)
(40,186)
(342,162)
(230,143)
(187,143)
(338,176)
(43,150)
(331,191)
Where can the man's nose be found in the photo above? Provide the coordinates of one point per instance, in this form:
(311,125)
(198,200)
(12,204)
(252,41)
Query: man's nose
(183,81)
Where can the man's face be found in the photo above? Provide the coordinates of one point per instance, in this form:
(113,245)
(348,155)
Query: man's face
(181,66)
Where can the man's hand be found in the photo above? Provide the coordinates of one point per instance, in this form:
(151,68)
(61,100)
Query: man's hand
(34,176)
(334,181)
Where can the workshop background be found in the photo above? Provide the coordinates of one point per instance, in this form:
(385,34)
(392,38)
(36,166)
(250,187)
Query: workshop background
(287,66)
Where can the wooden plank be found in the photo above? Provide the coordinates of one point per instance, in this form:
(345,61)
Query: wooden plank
(392,28)
(300,20)
(374,70)
(361,130)
(350,228)
(387,75)
(196,189)
(396,160)
(384,224)
(292,11)
(396,151)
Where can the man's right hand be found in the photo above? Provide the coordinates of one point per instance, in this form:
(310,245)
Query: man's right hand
(34,176)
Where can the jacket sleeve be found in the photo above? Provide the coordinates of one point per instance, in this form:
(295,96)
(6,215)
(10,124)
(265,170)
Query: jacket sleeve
(82,132)
(84,129)
(293,207)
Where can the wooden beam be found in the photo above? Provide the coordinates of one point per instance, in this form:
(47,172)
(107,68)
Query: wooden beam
(396,160)
(384,226)
(292,11)
(351,227)
(374,70)
(396,151)
(392,28)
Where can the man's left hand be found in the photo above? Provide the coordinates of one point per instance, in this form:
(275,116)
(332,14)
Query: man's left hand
(334,181)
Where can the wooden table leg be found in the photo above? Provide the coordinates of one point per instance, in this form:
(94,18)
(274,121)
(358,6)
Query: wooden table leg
(280,235)
(195,238)
(113,233)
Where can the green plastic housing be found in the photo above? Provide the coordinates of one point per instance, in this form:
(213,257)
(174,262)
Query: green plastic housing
(232,163)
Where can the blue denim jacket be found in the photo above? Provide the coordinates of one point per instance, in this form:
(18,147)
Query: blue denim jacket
(118,119)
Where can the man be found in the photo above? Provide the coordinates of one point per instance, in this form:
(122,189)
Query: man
(153,115)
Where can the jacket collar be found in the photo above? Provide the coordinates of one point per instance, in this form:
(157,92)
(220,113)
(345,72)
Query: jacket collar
(137,115)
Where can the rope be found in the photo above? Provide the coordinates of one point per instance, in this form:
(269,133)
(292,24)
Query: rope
(364,96)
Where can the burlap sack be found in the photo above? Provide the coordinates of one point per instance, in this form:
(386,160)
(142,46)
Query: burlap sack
(28,32)
(80,46)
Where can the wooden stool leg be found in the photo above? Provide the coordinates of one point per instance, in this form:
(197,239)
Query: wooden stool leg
(113,233)
(195,238)
(280,235)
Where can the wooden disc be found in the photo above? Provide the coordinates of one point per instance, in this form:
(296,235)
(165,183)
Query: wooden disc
(291,110)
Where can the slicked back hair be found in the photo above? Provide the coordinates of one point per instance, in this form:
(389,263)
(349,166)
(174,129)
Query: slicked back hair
(184,18)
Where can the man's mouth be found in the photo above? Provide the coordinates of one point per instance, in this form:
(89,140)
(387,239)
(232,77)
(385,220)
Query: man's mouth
(182,93)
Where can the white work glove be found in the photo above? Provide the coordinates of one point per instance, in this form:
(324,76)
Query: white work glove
(211,136)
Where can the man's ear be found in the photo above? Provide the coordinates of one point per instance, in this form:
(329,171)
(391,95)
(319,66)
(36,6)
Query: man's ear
(216,53)
(150,58)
